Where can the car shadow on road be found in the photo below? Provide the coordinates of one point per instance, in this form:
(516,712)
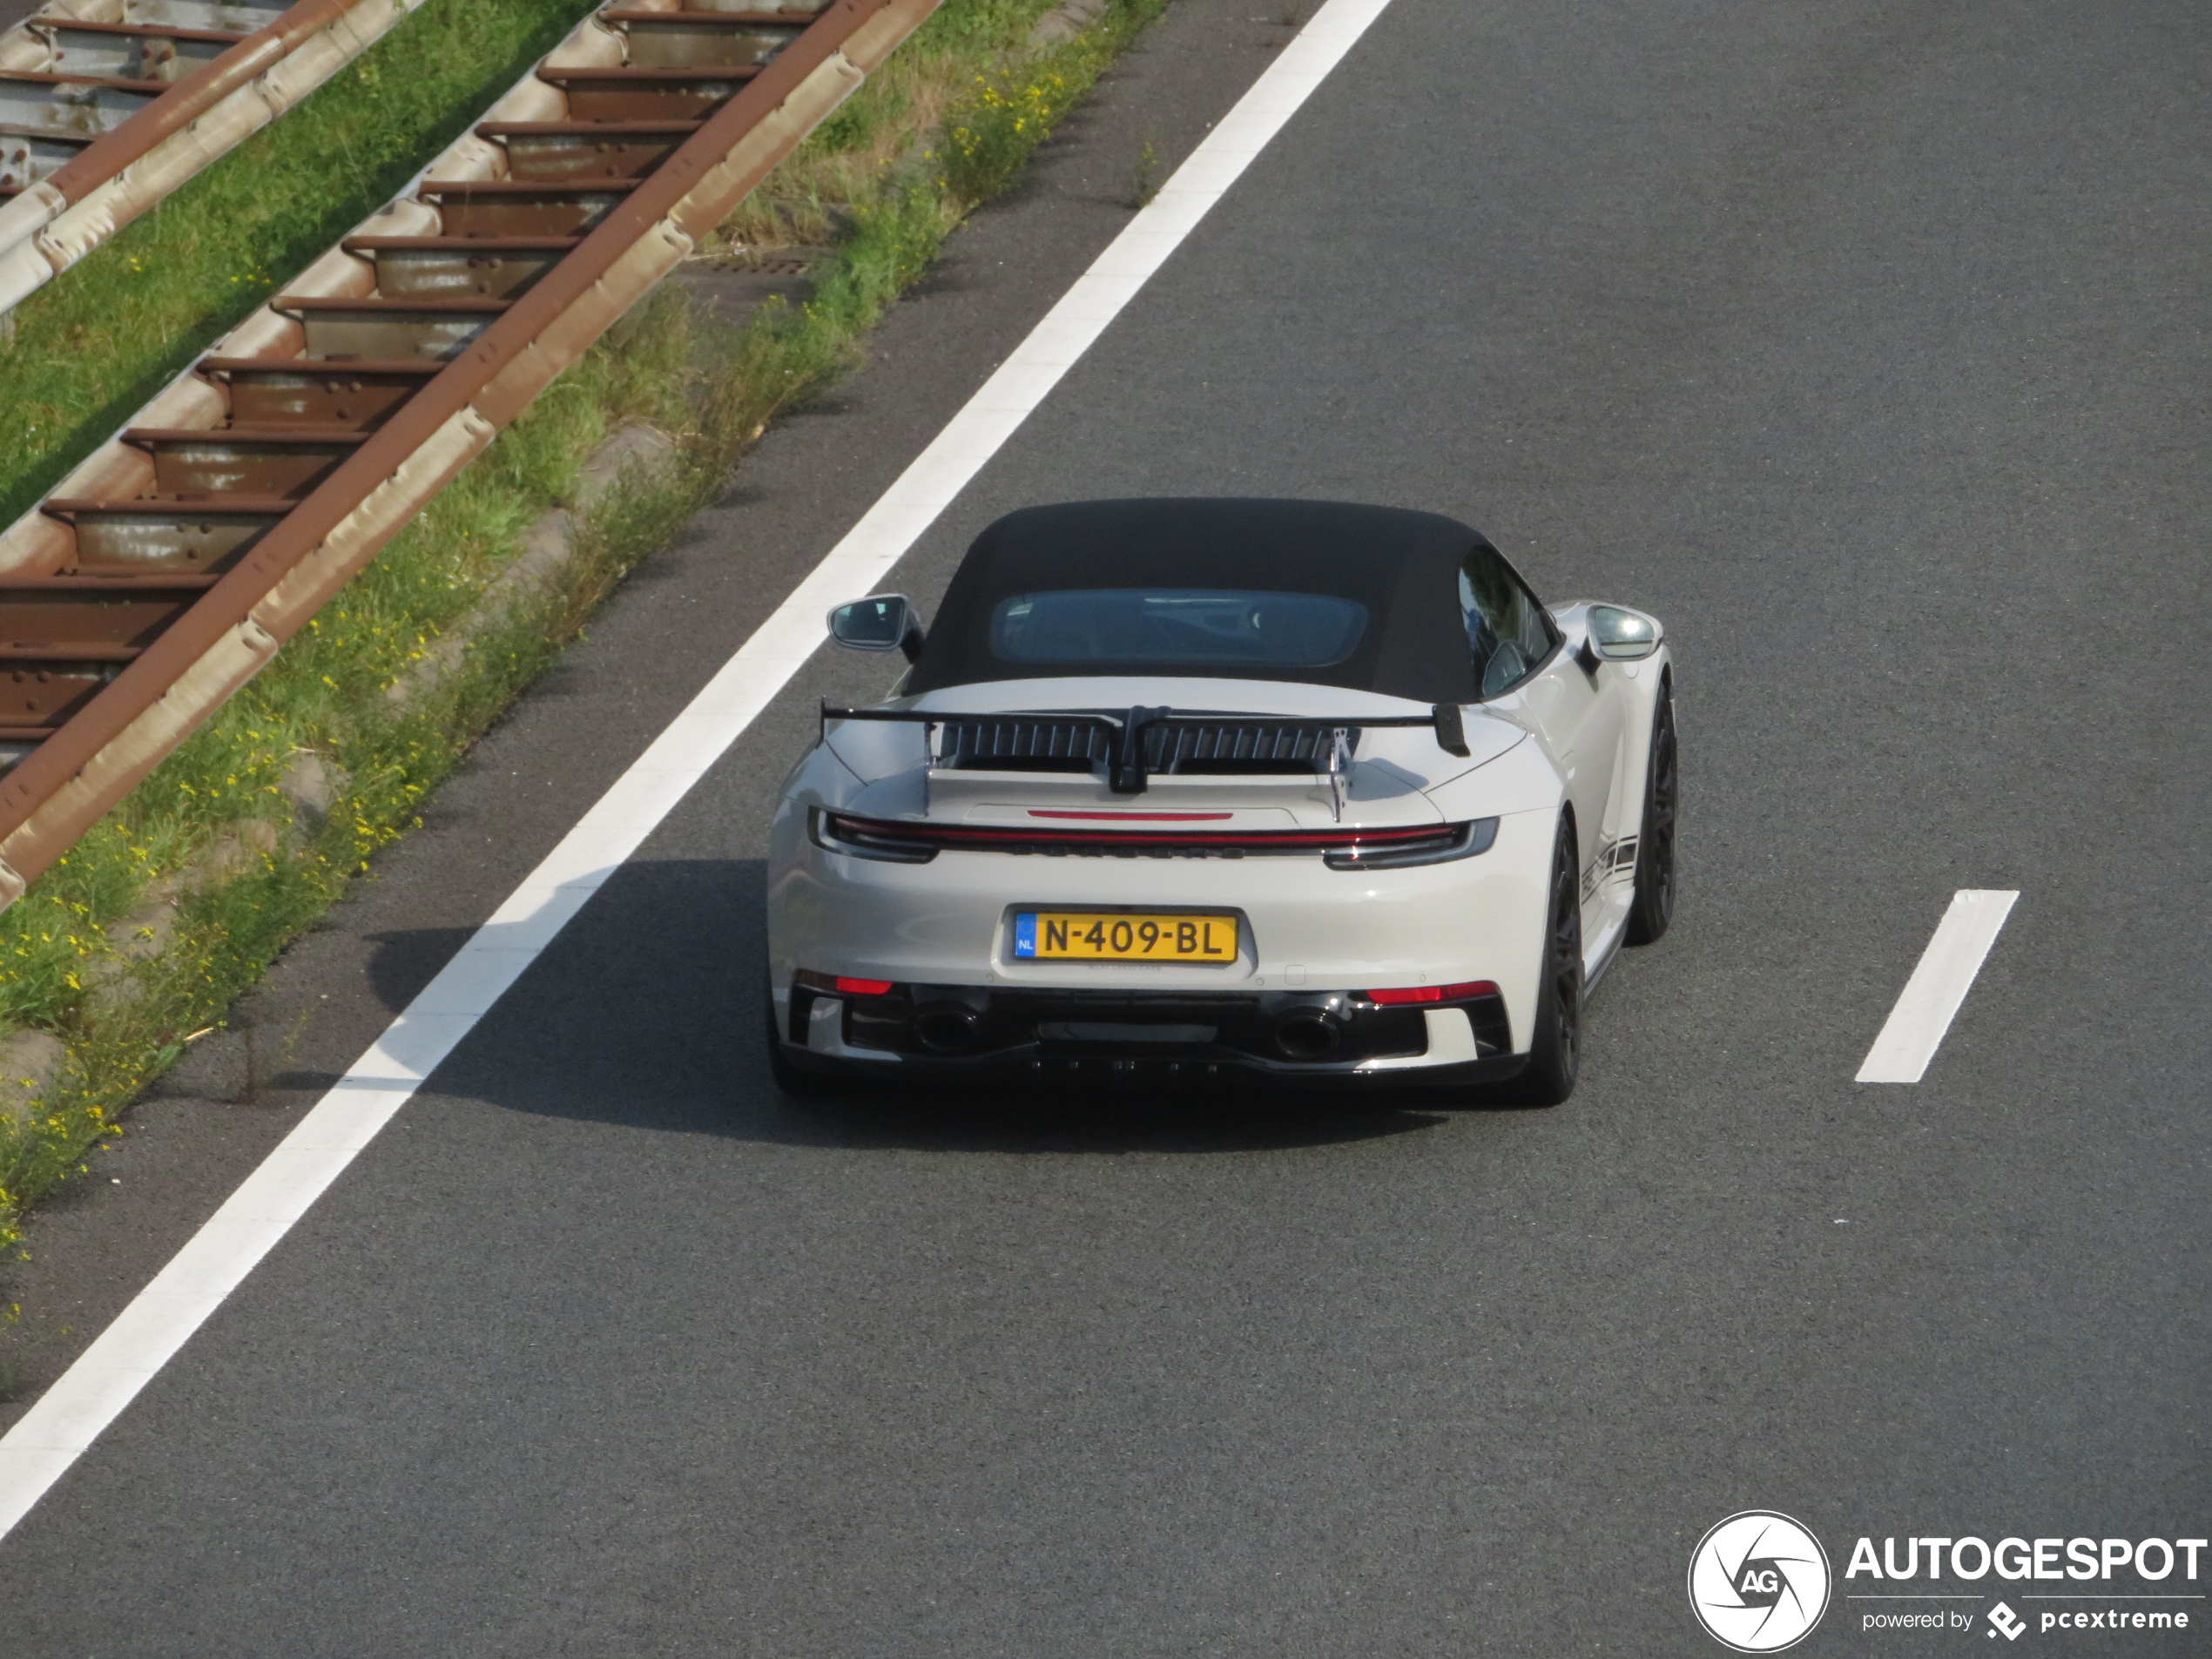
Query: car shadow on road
(1088,1122)
(647,1011)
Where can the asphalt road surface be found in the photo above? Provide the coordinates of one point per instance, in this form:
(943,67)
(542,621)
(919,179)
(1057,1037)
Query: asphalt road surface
(1864,342)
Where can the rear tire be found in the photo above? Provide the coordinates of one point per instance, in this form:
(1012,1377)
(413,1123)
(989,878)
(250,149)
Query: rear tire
(1652,907)
(1555,1056)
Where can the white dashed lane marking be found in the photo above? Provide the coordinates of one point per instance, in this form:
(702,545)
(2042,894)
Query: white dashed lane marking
(1932,997)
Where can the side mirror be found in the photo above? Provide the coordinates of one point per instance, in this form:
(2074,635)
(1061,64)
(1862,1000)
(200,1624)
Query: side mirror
(1621,636)
(883,622)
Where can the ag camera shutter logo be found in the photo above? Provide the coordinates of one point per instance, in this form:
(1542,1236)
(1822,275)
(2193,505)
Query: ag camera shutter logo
(1758,1582)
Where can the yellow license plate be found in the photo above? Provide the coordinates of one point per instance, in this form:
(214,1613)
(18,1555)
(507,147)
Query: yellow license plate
(1090,935)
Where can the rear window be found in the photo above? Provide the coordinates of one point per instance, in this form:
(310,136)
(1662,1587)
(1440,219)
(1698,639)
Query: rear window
(1175,627)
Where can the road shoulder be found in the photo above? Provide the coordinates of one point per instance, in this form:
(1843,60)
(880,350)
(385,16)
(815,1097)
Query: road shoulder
(239,1091)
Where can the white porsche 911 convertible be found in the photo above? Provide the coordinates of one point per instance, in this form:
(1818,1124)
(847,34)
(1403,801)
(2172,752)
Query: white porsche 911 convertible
(1219,790)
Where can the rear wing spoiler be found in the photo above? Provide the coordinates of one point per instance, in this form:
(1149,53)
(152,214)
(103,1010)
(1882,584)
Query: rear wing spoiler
(1125,773)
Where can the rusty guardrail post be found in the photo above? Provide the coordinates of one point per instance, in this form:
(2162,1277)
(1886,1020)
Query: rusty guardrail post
(335,528)
(57,221)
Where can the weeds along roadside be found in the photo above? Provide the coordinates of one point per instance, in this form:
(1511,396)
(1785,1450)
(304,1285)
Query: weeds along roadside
(174,904)
(90,348)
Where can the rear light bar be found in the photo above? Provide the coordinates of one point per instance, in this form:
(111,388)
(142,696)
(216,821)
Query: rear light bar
(1343,849)
(1466,991)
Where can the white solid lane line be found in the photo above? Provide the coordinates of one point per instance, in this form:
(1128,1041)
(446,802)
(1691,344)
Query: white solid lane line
(1931,998)
(163,1317)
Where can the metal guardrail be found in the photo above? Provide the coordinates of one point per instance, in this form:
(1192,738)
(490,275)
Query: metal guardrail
(173,564)
(106,106)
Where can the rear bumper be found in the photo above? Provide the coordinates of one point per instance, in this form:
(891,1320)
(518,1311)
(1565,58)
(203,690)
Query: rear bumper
(950,922)
(922,1032)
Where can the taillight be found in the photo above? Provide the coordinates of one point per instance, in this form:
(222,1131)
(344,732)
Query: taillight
(1340,849)
(858,838)
(1402,849)
(1466,991)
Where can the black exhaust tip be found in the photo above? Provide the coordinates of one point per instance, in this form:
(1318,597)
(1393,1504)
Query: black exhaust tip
(1307,1035)
(946,1029)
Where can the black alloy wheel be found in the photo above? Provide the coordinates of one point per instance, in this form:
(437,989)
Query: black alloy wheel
(1652,907)
(1555,1055)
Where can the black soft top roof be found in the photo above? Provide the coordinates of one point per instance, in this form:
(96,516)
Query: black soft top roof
(1402,566)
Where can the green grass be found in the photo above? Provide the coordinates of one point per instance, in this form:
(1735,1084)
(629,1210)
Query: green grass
(891,175)
(957,112)
(93,344)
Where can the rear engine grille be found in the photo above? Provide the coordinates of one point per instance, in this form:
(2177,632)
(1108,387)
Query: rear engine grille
(1022,745)
(1003,745)
(1216,749)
